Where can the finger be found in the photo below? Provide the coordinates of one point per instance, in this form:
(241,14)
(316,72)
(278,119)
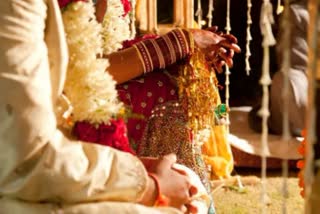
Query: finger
(219,66)
(191,208)
(212,29)
(180,171)
(231,53)
(193,190)
(211,55)
(226,44)
(183,209)
(230,38)
(184,198)
(225,56)
(220,33)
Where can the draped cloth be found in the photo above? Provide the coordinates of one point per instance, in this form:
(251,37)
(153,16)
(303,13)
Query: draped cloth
(43,170)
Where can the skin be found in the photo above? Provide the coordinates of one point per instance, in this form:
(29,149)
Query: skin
(174,184)
(219,49)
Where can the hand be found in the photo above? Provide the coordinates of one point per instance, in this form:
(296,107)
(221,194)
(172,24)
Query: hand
(219,48)
(175,185)
(200,200)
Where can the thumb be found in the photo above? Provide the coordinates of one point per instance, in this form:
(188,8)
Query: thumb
(213,29)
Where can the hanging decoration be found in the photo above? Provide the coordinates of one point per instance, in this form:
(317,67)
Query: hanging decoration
(312,195)
(301,163)
(210,11)
(279,7)
(227,72)
(266,20)
(249,37)
(199,14)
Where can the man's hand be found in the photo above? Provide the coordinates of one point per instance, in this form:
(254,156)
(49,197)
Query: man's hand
(174,184)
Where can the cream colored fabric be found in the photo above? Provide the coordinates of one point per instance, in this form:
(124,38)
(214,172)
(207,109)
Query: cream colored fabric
(39,163)
(9,206)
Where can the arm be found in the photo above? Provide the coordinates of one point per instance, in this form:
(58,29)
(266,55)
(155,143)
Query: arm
(165,50)
(39,163)
(125,65)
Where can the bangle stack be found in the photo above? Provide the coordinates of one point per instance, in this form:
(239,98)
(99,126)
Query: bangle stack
(165,50)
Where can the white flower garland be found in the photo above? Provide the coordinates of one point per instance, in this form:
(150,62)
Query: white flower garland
(116,27)
(89,87)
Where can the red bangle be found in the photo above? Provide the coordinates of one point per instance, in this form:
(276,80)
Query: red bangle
(164,50)
(161,200)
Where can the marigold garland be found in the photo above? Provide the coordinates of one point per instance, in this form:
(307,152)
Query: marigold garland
(301,163)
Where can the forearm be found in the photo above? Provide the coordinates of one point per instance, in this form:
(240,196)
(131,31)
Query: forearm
(76,172)
(41,164)
(149,55)
(125,65)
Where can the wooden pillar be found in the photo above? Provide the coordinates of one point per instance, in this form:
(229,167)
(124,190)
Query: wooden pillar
(188,13)
(178,14)
(313,112)
(146,16)
(151,11)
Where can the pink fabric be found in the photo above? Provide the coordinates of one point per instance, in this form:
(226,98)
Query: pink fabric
(141,96)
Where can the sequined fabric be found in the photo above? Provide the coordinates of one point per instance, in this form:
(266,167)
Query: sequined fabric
(159,126)
(167,132)
(141,95)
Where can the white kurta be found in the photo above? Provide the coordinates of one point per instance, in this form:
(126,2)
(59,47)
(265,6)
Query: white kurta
(38,162)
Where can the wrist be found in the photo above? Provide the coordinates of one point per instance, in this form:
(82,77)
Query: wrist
(161,199)
(150,195)
(165,50)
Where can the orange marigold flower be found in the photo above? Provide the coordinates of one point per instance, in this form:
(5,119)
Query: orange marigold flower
(301,150)
(301,182)
(300,164)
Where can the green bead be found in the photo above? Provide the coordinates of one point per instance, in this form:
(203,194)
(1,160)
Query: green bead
(222,108)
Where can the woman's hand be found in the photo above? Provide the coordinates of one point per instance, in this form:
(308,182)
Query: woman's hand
(175,185)
(219,48)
